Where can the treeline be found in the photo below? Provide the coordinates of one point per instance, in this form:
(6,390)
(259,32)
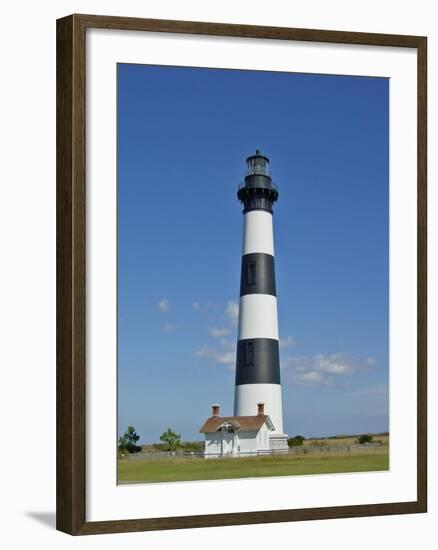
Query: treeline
(360,439)
(185,446)
(349,436)
(171,441)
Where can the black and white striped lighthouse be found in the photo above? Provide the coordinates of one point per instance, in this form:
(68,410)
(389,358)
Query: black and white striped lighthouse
(257,358)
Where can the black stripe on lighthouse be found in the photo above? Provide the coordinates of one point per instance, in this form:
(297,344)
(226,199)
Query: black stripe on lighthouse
(257,274)
(257,361)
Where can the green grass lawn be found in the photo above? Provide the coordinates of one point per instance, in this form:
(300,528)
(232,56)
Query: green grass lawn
(187,469)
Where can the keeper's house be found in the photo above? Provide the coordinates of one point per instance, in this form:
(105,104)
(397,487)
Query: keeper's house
(236,435)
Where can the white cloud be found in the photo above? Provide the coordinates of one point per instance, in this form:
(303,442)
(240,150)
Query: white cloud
(227,358)
(196,306)
(163,305)
(323,370)
(218,332)
(204,352)
(168,327)
(288,342)
(335,364)
(222,357)
(313,378)
(233,311)
(227,344)
(224,354)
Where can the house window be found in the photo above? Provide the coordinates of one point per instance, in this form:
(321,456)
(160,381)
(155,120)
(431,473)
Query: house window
(249,354)
(251,274)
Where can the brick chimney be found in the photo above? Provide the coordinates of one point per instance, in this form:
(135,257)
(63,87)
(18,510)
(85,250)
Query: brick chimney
(260,408)
(215,410)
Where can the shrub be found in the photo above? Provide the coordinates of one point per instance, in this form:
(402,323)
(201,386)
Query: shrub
(161,446)
(364,438)
(296,441)
(318,443)
(195,446)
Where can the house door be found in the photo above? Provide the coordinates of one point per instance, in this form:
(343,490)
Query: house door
(227,443)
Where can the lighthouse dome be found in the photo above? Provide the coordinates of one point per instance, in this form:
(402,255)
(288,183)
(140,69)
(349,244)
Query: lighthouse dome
(258,191)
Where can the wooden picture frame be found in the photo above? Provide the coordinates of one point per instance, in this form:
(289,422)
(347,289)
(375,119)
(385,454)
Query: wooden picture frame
(71,273)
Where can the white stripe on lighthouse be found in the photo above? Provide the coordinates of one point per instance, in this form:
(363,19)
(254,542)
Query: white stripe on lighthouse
(258,317)
(247,396)
(257,232)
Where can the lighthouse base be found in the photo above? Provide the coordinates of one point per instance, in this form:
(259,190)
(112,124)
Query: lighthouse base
(278,443)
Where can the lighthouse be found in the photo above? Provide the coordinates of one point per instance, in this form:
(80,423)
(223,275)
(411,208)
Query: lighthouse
(257,357)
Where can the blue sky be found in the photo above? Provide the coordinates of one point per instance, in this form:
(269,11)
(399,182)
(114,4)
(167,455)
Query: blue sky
(183,136)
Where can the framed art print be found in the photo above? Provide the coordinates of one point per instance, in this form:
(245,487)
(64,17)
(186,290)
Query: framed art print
(241,274)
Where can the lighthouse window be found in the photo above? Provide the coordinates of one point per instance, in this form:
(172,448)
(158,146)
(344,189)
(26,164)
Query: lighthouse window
(251,274)
(249,356)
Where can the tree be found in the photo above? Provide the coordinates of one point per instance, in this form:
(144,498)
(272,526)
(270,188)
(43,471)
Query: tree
(171,438)
(364,438)
(296,441)
(128,441)
(123,443)
(132,437)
